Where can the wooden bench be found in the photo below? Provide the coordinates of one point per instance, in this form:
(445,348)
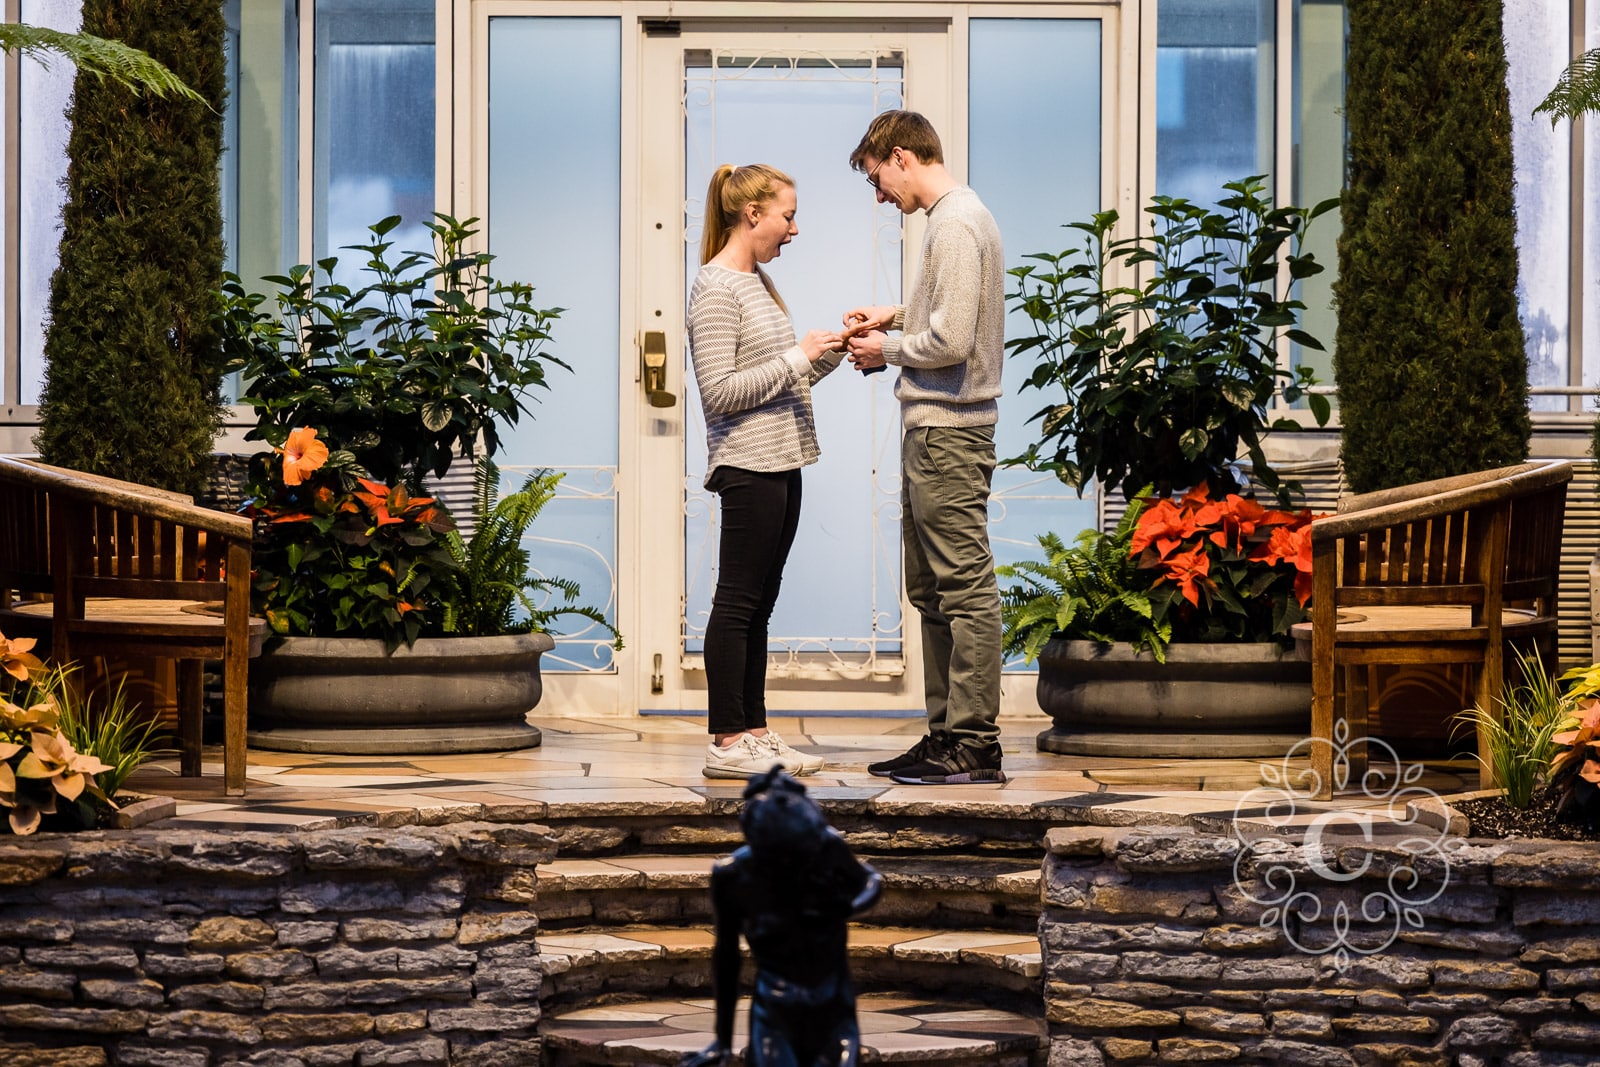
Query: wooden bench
(100,567)
(1447,571)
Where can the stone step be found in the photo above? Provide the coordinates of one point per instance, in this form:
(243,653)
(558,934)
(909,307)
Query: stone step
(944,892)
(579,966)
(895,1028)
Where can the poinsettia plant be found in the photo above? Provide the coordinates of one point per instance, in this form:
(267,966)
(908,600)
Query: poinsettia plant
(1224,570)
(1185,569)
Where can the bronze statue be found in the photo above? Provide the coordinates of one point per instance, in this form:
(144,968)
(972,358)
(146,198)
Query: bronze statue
(791,891)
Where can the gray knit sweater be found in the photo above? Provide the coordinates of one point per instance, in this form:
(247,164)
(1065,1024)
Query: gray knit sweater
(951,350)
(754,379)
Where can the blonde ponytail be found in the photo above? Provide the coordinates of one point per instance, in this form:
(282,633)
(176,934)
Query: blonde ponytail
(730,190)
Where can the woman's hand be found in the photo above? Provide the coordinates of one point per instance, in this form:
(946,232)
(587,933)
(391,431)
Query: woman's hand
(816,342)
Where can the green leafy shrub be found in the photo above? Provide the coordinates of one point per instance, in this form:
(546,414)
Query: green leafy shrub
(426,362)
(1167,381)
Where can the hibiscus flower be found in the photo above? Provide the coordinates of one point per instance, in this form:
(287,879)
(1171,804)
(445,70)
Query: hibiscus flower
(302,454)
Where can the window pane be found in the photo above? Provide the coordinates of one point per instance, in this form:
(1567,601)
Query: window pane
(555,93)
(1536,34)
(1053,65)
(1591,224)
(1319,152)
(1214,86)
(42,152)
(374,122)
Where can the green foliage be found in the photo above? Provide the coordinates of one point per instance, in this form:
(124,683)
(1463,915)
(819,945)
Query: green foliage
(1166,381)
(496,579)
(339,555)
(423,363)
(128,67)
(109,727)
(132,384)
(1520,739)
(1092,591)
(1430,358)
(1577,90)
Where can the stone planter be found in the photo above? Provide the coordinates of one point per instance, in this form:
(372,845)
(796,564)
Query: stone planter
(441,695)
(1229,700)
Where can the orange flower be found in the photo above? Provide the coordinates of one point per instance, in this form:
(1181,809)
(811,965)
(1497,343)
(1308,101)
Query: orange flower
(1165,526)
(302,454)
(1291,546)
(1188,571)
(16,660)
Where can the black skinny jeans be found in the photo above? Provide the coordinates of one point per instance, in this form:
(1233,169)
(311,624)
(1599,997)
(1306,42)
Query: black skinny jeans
(760,513)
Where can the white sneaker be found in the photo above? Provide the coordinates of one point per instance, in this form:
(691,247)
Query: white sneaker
(795,762)
(745,758)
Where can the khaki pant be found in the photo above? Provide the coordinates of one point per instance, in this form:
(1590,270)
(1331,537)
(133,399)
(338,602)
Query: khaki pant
(944,500)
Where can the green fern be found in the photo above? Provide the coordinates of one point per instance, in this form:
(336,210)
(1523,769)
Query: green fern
(1576,91)
(127,66)
(495,576)
(1091,591)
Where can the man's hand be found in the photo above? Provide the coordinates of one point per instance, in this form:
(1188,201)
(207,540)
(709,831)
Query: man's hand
(863,319)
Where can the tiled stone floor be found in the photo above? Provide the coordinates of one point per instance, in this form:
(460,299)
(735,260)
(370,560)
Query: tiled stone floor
(654,762)
(899,1028)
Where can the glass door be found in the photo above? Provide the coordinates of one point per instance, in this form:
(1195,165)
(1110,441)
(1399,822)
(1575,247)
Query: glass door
(798,101)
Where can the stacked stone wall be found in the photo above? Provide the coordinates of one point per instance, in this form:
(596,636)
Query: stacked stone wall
(1166,947)
(412,945)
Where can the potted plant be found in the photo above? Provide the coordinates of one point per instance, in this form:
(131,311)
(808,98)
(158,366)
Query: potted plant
(1169,380)
(383,642)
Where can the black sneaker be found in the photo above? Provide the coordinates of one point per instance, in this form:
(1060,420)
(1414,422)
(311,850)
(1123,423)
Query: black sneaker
(955,765)
(930,745)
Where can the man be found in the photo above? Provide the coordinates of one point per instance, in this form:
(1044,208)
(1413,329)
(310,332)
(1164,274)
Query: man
(950,353)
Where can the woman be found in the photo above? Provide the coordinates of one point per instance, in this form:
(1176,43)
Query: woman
(755,385)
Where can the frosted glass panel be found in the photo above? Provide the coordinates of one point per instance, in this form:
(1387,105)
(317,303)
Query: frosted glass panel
(1034,101)
(1214,82)
(805,116)
(1319,141)
(1536,38)
(374,123)
(1591,226)
(42,152)
(554,195)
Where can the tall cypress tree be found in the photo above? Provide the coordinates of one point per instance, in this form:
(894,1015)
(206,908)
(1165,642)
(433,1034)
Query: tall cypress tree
(1431,368)
(133,375)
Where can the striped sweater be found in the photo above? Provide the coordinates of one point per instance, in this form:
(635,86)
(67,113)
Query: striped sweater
(754,379)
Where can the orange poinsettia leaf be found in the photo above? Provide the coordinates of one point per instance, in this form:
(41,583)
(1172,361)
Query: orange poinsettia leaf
(1164,525)
(302,454)
(17,660)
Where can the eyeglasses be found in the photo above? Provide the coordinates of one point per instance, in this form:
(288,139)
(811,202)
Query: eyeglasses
(872,175)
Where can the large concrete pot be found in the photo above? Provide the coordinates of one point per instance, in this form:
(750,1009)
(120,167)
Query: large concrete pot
(1232,700)
(441,695)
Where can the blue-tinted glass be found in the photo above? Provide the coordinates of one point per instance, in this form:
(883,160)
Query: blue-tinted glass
(555,135)
(374,123)
(1537,35)
(1214,83)
(1034,104)
(42,151)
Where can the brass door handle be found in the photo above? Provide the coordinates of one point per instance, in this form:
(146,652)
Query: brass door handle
(653,369)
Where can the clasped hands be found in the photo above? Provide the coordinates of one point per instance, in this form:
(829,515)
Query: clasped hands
(862,337)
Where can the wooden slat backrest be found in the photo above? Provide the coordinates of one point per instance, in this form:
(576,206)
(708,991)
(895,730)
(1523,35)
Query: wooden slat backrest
(113,538)
(1416,546)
